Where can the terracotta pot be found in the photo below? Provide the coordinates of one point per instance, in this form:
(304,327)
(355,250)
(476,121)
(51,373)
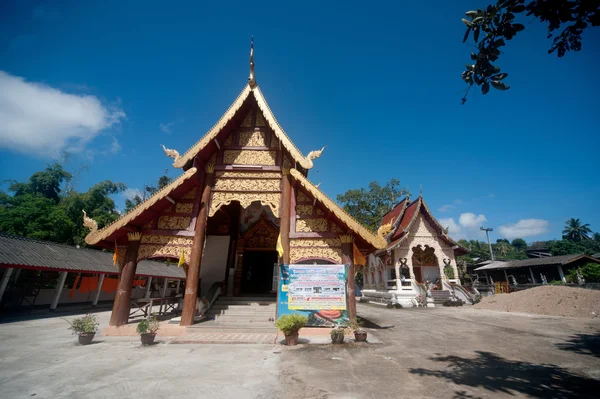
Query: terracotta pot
(86,339)
(148,339)
(292,339)
(360,336)
(337,339)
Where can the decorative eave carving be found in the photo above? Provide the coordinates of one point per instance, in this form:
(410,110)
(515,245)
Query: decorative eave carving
(375,240)
(89,223)
(95,236)
(172,154)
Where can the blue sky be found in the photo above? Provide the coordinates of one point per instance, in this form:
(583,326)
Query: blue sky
(378,83)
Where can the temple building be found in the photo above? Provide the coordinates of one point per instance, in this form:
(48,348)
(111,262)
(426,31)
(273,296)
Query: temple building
(243,185)
(418,253)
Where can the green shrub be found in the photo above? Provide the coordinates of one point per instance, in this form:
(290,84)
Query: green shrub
(555,282)
(589,271)
(290,324)
(449,271)
(337,332)
(148,326)
(87,324)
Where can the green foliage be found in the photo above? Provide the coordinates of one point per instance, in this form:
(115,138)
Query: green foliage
(555,282)
(495,23)
(41,209)
(590,272)
(568,247)
(576,231)
(449,271)
(148,326)
(369,205)
(519,244)
(291,323)
(87,324)
(337,333)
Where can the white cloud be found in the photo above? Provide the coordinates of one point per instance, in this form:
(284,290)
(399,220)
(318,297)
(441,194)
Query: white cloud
(458,201)
(166,127)
(450,224)
(470,220)
(446,208)
(130,193)
(524,228)
(42,120)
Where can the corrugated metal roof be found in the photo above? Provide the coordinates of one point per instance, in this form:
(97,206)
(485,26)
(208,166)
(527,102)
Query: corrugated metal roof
(547,261)
(18,251)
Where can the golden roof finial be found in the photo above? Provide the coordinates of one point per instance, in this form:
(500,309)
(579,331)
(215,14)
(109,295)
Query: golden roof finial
(251,80)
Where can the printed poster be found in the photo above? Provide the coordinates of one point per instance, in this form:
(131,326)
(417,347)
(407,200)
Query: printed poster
(316,291)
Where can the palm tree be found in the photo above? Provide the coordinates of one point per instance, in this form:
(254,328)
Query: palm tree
(575,231)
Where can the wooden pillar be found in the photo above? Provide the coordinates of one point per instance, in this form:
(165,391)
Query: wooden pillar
(164,287)
(234,227)
(532,276)
(561,273)
(285,214)
(191,283)
(148,287)
(177,288)
(506,276)
(122,305)
(98,289)
(348,259)
(5,279)
(58,290)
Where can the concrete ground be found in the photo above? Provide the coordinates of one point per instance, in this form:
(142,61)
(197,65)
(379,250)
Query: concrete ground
(441,352)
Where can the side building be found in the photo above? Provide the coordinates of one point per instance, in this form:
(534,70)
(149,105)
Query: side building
(419,255)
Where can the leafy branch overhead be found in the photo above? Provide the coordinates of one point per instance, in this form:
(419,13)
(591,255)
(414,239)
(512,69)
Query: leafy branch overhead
(496,24)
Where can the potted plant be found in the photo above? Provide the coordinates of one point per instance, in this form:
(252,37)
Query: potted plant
(337,335)
(147,329)
(290,324)
(86,327)
(360,335)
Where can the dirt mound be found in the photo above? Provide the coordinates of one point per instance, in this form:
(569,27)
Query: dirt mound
(547,300)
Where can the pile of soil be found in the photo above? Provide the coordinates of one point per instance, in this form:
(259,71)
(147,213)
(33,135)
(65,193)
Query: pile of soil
(547,300)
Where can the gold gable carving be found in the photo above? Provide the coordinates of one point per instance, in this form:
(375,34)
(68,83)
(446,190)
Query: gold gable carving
(169,240)
(247,185)
(264,175)
(174,222)
(261,236)
(297,254)
(301,197)
(253,139)
(335,228)
(249,157)
(220,199)
(150,224)
(302,210)
(184,207)
(319,242)
(274,141)
(247,122)
(260,119)
(228,141)
(190,194)
(320,212)
(311,225)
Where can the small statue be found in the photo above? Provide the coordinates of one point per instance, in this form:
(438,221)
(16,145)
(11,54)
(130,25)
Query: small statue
(544,280)
(513,280)
(580,279)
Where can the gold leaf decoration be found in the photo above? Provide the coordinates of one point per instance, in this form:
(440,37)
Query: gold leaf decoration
(319,242)
(174,222)
(320,212)
(190,194)
(297,254)
(220,199)
(184,207)
(265,175)
(167,251)
(228,141)
(311,225)
(249,157)
(149,225)
(253,139)
(247,120)
(260,119)
(301,197)
(274,141)
(303,210)
(247,185)
(170,240)
(335,228)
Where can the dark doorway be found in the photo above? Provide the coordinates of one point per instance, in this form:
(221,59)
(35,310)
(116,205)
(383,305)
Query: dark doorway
(257,272)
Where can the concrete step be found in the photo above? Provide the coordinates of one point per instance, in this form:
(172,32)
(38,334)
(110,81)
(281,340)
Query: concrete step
(257,299)
(238,312)
(212,328)
(254,306)
(242,319)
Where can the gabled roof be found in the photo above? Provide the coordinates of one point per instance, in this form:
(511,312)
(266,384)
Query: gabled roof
(547,261)
(375,240)
(304,162)
(94,237)
(405,214)
(28,253)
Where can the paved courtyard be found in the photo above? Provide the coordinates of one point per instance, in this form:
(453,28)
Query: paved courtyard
(441,352)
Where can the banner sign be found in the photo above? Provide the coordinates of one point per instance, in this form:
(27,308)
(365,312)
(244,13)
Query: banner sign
(316,291)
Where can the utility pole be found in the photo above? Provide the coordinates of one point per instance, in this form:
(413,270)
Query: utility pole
(487,233)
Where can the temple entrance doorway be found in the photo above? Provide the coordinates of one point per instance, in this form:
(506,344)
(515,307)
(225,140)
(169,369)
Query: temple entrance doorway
(257,272)
(425,265)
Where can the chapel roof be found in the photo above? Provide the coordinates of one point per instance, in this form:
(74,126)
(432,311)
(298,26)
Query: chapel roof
(403,216)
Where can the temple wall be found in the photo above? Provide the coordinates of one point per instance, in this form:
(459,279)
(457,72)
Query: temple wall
(214,261)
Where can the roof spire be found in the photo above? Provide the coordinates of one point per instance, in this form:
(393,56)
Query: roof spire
(251,80)
(420,190)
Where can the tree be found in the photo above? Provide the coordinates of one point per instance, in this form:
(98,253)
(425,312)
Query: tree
(46,183)
(369,205)
(502,247)
(147,192)
(519,244)
(575,231)
(596,236)
(497,23)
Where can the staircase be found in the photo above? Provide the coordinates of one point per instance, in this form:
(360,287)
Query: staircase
(439,297)
(240,314)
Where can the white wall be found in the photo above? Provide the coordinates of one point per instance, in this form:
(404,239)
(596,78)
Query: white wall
(214,261)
